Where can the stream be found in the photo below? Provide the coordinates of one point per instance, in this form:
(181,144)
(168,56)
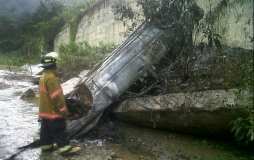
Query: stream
(20,126)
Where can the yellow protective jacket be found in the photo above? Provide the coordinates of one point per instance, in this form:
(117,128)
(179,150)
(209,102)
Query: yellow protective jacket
(51,98)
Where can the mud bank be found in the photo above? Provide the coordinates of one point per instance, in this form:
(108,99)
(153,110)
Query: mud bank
(152,144)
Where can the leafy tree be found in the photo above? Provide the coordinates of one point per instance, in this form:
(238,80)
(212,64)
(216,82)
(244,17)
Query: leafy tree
(7,33)
(40,27)
(48,29)
(177,18)
(44,22)
(47,10)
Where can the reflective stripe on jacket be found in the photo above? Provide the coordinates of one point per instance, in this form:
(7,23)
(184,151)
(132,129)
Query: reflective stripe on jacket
(51,98)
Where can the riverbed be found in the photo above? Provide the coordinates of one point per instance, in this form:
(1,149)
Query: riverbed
(20,126)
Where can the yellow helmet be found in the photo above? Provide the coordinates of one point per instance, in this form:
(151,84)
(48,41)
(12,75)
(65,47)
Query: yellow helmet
(49,59)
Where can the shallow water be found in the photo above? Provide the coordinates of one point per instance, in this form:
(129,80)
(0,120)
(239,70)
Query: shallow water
(19,126)
(18,118)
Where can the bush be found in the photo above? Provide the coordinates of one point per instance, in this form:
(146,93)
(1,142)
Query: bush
(73,29)
(243,129)
(14,58)
(84,53)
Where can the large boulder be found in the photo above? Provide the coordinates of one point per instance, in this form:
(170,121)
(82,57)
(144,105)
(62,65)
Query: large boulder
(28,93)
(202,113)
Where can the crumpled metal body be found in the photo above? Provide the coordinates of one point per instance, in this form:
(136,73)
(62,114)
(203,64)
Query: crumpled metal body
(115,74)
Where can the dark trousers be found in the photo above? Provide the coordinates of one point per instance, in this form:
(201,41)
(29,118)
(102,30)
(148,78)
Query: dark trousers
(54,131)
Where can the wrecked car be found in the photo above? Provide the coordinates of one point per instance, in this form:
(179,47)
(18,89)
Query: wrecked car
(111,77)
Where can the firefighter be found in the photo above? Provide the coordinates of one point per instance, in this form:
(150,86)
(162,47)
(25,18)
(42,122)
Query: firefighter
(52,109)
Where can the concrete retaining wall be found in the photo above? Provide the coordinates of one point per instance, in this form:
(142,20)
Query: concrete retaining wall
(235,25)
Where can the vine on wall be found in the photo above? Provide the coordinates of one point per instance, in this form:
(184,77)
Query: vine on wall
(73,29)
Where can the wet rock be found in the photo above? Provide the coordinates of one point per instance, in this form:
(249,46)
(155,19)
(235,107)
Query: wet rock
(3,85)
(28,93)
(201,113)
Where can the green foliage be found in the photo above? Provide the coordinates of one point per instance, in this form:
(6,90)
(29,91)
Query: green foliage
(179,18)
(233,66)
(24,36)
(84,53)
(243,129)
(8,31)
(35,32)
(77,11)
(106,48)
(46,23)
(233,151)
(49,29)
(171,136)
(16,10)
(203,144)
(245,72)
(46,11)
(241,1)
(16,59)
(73,29)
(73,16)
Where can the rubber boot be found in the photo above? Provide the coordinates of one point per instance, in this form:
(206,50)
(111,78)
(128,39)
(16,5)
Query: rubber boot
(51,149)
(71,151)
